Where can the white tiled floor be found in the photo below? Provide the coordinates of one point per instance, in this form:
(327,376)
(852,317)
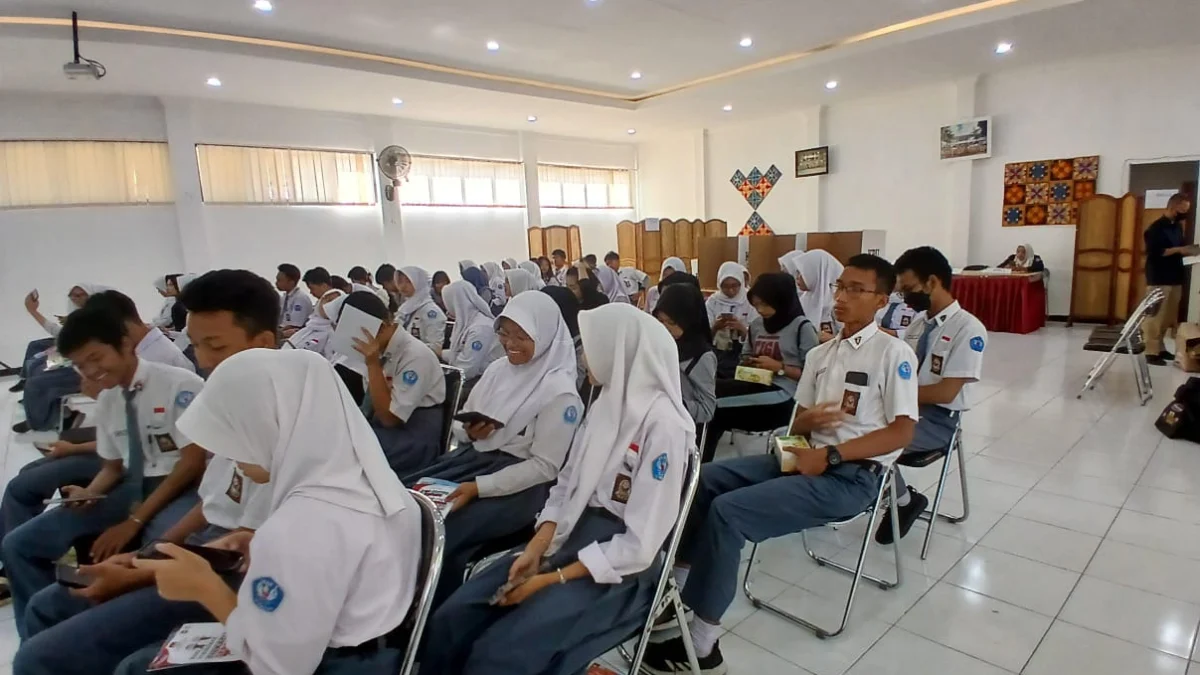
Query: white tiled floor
(1081,554)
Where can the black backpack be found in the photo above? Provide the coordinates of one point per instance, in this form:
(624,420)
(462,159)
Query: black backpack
(1181,417)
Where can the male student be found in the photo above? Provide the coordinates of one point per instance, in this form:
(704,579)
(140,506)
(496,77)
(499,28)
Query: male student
(613,260)
(296,306)
(91,630)
(949,343)
(149,470)
(857,399)
(559,257)
(359,275)
(385,276)
(590,261)
(319,282)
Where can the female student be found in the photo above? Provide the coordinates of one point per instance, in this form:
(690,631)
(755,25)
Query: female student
(546,269)
(568,306)
(165,285)
(35,352)
(509,264)
(405,389)
(318,329)
(504,472)
(780,339)
(473,343)
(518,281)
(681,309)
(730,314)
(532,267)
(475,276)
(440,281)
(495,280)
(585,581)
(611,284)
(284,417)
(816,272)
(419,314)
(1024,260)
(670,266)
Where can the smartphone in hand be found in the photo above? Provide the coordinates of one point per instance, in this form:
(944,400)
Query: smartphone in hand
(70,576)
(222,561)
(470,418)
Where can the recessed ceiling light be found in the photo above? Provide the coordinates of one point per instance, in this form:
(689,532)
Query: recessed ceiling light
(1004,48)
(397,101)
(531,118)
(832,84)
(631,131)
(263,5)
(493,46)
(637,75)
(728,107)
(746,42)
(214,82)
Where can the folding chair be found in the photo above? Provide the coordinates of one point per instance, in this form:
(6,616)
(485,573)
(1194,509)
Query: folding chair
(407,636)
(927,457)
(666,593)
(454,384)
(1129,341)
(887,488)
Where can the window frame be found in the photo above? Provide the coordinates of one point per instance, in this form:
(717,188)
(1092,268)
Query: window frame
(631,173)
(369,155)
(463,186)
(168,178)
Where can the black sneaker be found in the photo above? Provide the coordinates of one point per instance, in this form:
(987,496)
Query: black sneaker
(1156,360)
(19,386)
(909,513)
(1166,355)
(21,427)
(667,658)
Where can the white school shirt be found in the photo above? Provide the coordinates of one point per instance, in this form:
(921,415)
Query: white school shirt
(955,350)
(559,277)
(542,445)
(888,366)
(298,599)
(476,350)
(642,485)
(164,392)
(295,309)
(414,375)
(157,347)
(901,317)
(231,500)
(428,324)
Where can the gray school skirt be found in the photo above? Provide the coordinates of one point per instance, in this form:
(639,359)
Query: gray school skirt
(414,445)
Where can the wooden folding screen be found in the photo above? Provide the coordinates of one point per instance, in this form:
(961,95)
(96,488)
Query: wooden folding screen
(680,238)
(545,240)
(1107,279)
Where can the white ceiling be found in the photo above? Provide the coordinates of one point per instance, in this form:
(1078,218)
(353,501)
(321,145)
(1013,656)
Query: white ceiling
(575,41)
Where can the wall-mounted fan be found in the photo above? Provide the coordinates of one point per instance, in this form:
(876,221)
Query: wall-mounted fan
(395,163)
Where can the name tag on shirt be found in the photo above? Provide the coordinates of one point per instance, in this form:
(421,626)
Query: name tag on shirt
(621,487)
(235,488)
(935,364)
(165,443)
(905,320)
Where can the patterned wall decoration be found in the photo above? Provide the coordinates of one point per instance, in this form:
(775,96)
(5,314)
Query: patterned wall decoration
(1048,192)
(755,186)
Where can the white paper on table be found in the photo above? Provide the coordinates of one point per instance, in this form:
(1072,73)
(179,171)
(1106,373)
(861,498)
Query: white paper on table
(350,327)
(652,225)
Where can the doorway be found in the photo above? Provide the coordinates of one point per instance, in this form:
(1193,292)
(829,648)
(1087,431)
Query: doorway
(1177,176)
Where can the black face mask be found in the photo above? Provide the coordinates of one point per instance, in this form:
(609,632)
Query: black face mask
(919,301)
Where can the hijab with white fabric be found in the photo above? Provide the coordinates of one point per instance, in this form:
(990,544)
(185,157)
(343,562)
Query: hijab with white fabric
(422,293)
(511,263)
(1028,259)
(467,308)
(739,305)
(495,278)
(633,357)
(163,320)
(674,263)
(532,268)
(515,394)
(289,412)
(317,330)
(820,271)
(90,289)
(520,280)
(611,284)
(464,264)
(789,262)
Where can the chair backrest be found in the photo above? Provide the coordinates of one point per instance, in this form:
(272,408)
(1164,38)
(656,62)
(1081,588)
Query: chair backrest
(454,385)
(449,331)
(433,543)
(1153,297)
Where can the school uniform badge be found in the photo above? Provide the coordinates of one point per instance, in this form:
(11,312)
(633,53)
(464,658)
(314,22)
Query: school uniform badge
(267,593)
(477,346)
(571,414)
(977,344)
(432,314)
(184,398)
(659,469)
(409,377)
(296,308)
(905,371)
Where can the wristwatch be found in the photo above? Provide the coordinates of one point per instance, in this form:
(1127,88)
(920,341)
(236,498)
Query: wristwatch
(832,456)
(782,372)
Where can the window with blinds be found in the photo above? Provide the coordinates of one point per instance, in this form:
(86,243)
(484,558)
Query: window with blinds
(454,181)
(83,173)
(234,174)
(582,187)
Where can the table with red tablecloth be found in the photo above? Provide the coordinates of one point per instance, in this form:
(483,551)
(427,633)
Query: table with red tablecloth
(1005,303)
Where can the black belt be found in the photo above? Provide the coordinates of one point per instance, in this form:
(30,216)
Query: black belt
(367,648)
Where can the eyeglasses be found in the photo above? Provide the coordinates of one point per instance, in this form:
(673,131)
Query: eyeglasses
(854,290)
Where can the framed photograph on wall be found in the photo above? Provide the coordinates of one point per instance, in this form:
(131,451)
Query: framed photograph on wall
(812,162)
(968,139)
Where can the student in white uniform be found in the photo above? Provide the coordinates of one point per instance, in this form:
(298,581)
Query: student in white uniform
(318,329)
(389,281)
(558,259)
(857,399)
(532,267)
(730,315)
(590,571)
(669,266)
(359,275)
(91,630)
(568,307)
(546,271)
(509,264)
(418,313)
(611,285)
(520,281)
(165,285)
(818,272)
(284,416)
(149,470)
(505,473)
(296,305)
(895,318)
(405,390)
(949,342)
(473,343)
(496,281)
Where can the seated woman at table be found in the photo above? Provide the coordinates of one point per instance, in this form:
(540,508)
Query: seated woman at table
(1024,260)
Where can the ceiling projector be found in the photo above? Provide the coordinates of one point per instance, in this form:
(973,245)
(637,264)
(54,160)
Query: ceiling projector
(83,70)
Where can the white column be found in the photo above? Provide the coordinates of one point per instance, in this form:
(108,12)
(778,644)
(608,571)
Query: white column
(958,180)
(391,232)
(533,198)
(194,239)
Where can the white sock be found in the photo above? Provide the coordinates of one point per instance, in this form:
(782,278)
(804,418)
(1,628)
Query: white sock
(681,575)
(704,636)
(904,499)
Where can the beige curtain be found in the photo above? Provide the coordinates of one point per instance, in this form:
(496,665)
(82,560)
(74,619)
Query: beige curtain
(593,187)
(74,173)
(248,175)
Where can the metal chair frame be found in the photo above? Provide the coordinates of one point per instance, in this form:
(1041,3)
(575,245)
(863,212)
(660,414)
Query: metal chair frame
(932,515)
(453,401)
(431,553)
(1141,369)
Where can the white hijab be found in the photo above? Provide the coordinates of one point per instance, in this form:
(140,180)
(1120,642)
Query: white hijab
(1024,262)
(511,262)
(422,293)
(532,268)
(520,280)
(464,264)
(635,359)
(318,326)
(674,263)
(819,270)
(288,411)
(718,303)
(163,320)
(611,284)
(515,395)
(468,308)
(89,288)
(160,284)
(788,263)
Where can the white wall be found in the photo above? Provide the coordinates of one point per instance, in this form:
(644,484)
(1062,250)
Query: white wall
(671,177)
(437,238)
(597,227)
